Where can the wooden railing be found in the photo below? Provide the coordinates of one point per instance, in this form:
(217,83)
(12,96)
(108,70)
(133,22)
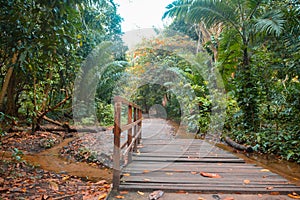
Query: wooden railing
(134,131)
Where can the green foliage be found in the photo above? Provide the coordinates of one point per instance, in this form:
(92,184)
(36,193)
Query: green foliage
(50,41)
(258,57)
(105,113)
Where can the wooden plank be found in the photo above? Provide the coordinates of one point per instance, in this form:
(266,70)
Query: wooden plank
(208,188)
(184,155)
(199,179)
(206,160)
(168,165)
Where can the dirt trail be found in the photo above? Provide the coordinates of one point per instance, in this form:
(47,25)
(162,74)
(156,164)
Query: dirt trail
(51,161)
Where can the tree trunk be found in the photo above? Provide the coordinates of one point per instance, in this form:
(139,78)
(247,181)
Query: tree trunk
(249,92)
(11,107)
(5,86)
(7,80)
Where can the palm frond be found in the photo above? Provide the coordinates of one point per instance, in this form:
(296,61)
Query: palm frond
(179,8)
(271,22)
(212,12)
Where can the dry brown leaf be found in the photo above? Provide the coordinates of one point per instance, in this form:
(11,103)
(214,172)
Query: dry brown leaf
(194,173)
(270,188)
(146,171)
(119,197)
(126,174)
(210,175)
(247,181)
(65,178)
(102,196)
(140,193)
(101,182)
(123,192)
(169,174)
(294,195)
(228,198)
(201,198)
(53,186)
(274,193)
(45,196)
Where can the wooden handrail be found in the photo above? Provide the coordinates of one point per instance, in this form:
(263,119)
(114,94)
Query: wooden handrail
(134,132)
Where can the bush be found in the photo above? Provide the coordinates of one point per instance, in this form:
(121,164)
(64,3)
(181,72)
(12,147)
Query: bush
(105,113)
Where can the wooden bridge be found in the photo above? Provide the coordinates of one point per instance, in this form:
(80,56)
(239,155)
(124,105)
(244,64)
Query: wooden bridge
(150,159)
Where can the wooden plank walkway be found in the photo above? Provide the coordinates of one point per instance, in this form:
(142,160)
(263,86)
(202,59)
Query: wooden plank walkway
(175,164)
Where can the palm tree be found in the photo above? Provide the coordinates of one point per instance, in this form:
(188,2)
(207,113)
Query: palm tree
(247,19)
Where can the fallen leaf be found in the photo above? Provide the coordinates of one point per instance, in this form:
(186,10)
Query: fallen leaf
(169,174)
(294,195)
(264,170)
(146,180)
(102,196)
(65,178)
(246,181)
(201,198)
(53,186)
(228,198)
(194,173)
(156,195)
(140,193)
(210,175)
(123,192)
(269,188)
(101,182)
(126,174)
(274,193)
(45,196)
(146,171)
(119,197)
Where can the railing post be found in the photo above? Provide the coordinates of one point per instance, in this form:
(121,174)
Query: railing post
(135,129)
(129,135)
(140,116)
(117,136)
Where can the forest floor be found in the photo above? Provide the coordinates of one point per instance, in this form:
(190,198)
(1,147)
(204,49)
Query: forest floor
(46,165)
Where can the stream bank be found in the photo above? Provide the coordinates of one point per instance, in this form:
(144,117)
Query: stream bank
(51,160)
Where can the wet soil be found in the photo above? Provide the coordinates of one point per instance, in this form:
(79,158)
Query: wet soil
(51,160)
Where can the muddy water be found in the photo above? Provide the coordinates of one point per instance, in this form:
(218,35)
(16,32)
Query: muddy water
(51,161)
